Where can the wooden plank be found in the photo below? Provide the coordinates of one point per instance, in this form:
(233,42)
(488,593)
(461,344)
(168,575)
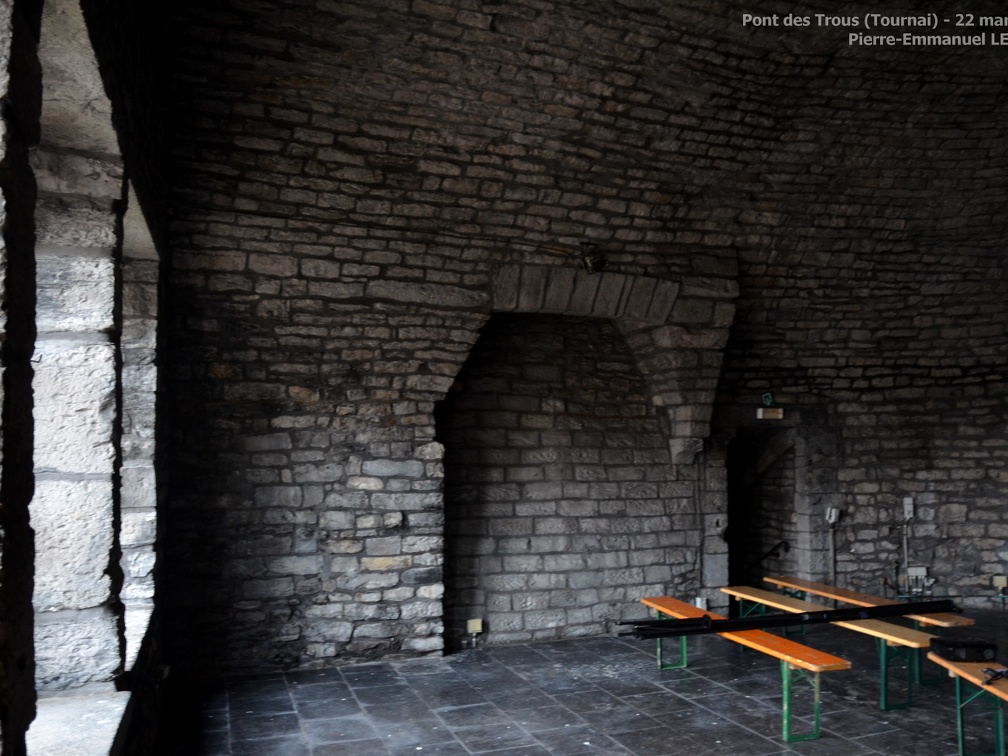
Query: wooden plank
(858,598)
(759,640)
(887,631)
(678,609)
(973,671)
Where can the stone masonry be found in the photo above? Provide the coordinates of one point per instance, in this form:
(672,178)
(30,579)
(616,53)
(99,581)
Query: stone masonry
(563,508)
(75,389)
(349,216)
(304,362)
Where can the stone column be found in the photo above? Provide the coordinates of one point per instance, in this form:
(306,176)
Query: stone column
(77,571)
(138,530)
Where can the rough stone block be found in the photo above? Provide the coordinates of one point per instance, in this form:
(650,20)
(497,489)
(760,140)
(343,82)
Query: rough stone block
(73,538)
(74,407)
(75,648)
(138,527)
(75,293)
(76,222)
(69,173)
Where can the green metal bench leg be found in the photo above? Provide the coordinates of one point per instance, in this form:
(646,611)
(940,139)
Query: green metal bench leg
(885,654)
(749,608)
(681,664)
(999,729)
(798,594)
(920,652)
(788,672)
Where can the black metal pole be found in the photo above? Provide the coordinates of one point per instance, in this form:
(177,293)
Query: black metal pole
(699,625)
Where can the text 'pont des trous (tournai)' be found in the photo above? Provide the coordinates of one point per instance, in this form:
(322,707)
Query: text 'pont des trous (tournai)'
(887,30)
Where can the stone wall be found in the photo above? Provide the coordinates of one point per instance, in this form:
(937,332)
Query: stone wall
(78,218)
(562,505)
(346,223)
(359,186)
(872,303)
(76,422)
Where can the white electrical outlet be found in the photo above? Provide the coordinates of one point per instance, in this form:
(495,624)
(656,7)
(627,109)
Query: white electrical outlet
(1001,581)
(700,602)
(908,508)
(917,572)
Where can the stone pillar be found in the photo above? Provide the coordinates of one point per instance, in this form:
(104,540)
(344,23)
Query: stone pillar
(138,530)
(20,90)
(74,511)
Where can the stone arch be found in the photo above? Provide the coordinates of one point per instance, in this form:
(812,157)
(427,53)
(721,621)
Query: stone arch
(675,329)
(571,291)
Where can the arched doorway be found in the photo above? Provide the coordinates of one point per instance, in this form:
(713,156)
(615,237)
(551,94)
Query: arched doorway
(781,483)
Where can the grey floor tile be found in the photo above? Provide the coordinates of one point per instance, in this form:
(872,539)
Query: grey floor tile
(289,745)
(264,726)
(319,691)
(313,677)
(542,718)
(658,741)
(453,748)
(373,747)
(338,730)
(580,740)
(472,715)
(379,695)
(417,732)
(489,738)
(327,709)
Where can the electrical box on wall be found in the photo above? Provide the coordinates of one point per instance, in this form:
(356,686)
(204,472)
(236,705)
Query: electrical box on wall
(908,508)
(770,413)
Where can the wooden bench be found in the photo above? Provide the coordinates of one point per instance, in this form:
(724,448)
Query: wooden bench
(888,636)
(795,659)
(974,672)
(800,586)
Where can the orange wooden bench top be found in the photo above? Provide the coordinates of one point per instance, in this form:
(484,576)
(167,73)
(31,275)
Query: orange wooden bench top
(973,671)
(864,599)
(759,640)
(887,631)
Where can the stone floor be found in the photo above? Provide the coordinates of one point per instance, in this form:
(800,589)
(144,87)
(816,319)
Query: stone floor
(596,696)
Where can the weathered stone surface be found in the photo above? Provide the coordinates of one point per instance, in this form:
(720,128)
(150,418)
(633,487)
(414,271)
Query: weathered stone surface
(74,292)
(73,539)
(558,542)
(75,648)
(427,294)
(345,233)
(70,173)
(75,223)
(74,407)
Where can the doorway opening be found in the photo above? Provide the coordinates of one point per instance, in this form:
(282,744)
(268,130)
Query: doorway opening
(764,529)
